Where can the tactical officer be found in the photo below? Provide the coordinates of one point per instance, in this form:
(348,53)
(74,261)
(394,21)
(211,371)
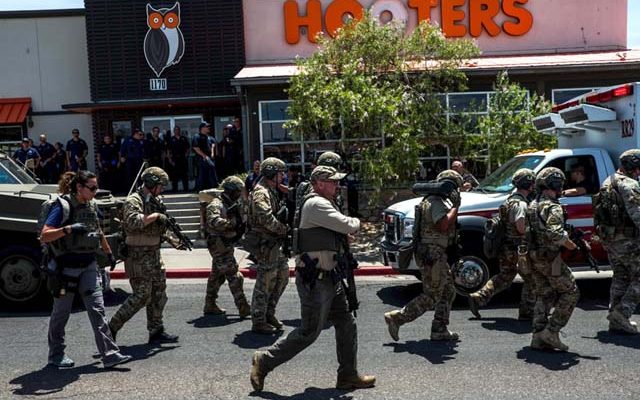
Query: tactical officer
(145,227)
(621,243)
(553,281)
(224,228)
(329,159)
(435,230)
(322,297)
(73,233)
(512,257)
(265,237)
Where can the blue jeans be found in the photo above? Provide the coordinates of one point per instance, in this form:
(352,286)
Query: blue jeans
(207,177)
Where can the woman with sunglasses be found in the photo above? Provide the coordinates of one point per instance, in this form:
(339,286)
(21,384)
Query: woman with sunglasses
(73,233)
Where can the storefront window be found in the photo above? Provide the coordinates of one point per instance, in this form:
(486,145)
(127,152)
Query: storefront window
(10,134)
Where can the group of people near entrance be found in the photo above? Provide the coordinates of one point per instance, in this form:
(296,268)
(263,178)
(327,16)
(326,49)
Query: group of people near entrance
(535,220)
(49,161)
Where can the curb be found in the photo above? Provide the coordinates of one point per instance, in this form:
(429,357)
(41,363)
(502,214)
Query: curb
(190,273)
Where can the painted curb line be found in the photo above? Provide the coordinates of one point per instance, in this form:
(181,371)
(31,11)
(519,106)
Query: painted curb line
(190,273)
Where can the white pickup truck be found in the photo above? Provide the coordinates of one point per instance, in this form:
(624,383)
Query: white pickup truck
(593,130)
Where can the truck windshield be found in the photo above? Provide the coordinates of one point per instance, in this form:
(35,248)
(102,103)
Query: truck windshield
(500,179)
(11,173)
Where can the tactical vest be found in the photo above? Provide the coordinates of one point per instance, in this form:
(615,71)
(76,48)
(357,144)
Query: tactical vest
(512,235)
(313,239)
(148,235)
(537,227)
(610,215)
(224,204)
(273,202)
(87,243)
(426,226)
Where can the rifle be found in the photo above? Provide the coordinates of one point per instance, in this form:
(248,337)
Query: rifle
(283,216)
(346,265)
(234,211)
(577,237)
(172,225)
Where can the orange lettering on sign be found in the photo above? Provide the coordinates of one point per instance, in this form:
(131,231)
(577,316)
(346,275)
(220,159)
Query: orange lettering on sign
(293,21)
(450,16)
(481,14)
(337,10)
(423,8)
(524,17)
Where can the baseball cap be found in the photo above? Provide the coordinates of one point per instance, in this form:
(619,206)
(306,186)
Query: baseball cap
(324,173)
(25,140)
(203,124)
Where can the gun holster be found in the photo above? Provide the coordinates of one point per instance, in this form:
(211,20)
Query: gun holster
(308,273)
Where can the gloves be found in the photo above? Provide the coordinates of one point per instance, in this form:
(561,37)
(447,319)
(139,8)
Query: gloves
(455,198)
(112,261)
(78,228)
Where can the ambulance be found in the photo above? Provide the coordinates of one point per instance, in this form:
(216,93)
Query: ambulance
(592,130)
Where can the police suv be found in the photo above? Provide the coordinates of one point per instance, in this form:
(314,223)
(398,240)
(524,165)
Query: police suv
(592,129)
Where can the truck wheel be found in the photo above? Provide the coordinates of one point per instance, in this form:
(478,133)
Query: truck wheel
(20,278)
(469,274)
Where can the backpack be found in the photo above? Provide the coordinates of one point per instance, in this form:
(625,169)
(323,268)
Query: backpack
(495,230)
(45,209)
(608,209)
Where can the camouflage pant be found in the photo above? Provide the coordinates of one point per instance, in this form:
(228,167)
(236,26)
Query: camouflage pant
(271,281)
(625,284)
(224,267)
(503,279)
(553,290)
(149,283)
(437,291)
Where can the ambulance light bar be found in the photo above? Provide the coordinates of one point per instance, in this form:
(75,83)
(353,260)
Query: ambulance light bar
(548,122)
(587,113)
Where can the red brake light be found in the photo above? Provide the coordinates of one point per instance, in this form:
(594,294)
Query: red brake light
(620,91)
(562,106)
(626,90)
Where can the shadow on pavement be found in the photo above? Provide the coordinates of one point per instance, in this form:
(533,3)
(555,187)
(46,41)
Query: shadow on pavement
(50,379)
(144,351)
(618,339)
(311,393)
(435,352)
(211,321)
(551,359)
(512,325)
(250,340)
(115,297)
(399,295)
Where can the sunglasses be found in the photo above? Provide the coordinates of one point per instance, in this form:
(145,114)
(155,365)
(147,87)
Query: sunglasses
(92,188)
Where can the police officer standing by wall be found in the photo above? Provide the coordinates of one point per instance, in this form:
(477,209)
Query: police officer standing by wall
(145,227)
(553,281)
(513,213)
(74,236)
(322,297)
(620,239)
(264,241)
(435,229)
(224,228)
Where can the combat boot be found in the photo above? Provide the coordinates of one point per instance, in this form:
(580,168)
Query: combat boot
(474,305)
(356,382)
(552,339)
(391,318)
(244,310)
(614,327)
(537,343)
(275,322)
(162,337)
(263,328)
(213,309)
(257,375)
(622,322)
(445,335)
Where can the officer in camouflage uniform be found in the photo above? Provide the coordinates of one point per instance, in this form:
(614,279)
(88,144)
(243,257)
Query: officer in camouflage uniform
(622,245)
(327,159)
(435,230)
(513,212)
(145,227)
(553,281)
(266,233)
(224,228)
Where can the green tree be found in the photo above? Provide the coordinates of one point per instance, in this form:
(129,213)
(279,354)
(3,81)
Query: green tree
(507,128)
(375,80)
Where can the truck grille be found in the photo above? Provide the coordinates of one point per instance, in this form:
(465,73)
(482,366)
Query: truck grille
(392,227)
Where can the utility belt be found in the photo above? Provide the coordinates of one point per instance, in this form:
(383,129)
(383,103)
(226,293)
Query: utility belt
(310,273)
(544,254)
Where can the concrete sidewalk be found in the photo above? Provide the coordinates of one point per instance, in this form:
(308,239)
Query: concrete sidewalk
(197,264)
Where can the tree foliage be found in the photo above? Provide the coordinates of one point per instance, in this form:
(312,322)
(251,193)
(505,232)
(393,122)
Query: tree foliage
(507,128)
(375,80)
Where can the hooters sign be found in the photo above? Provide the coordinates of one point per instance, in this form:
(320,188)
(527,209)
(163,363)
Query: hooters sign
(457,18)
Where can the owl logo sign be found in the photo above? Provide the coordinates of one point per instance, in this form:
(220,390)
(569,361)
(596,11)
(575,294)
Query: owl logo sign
(164,42)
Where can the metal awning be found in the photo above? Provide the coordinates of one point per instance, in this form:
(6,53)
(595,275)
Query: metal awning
(14,110)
